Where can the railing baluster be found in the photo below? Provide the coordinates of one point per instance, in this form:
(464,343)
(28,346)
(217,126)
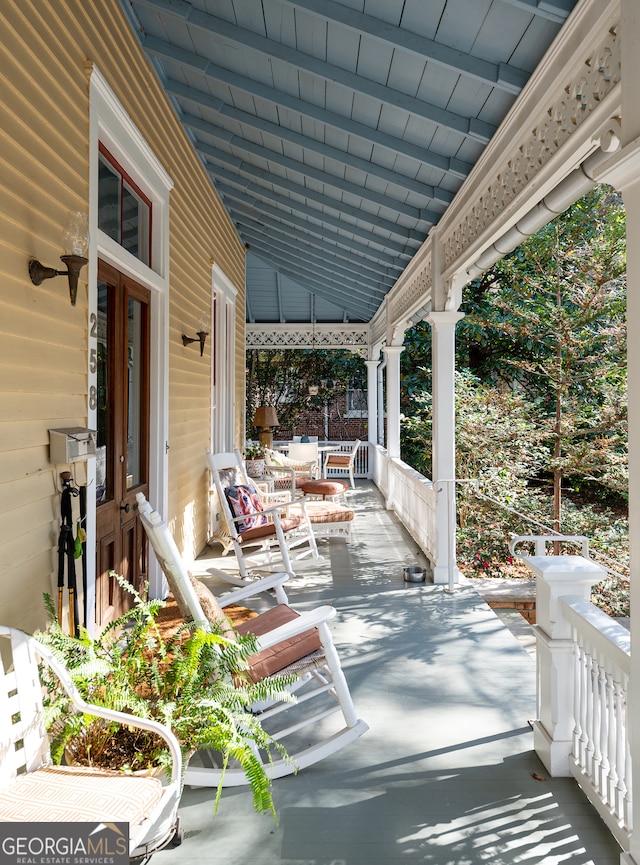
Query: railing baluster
(581,689)
(605,734)
(577,720)
(590,719)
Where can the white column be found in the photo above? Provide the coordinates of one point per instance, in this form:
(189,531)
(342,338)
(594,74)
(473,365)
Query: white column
(443,341)
(392,354)
(381,409)
(372,401)
(625,176)
(557,576)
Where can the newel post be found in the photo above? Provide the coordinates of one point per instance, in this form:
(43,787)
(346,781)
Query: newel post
(556,577)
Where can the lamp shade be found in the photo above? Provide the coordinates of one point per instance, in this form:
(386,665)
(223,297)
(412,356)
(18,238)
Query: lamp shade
(265,416)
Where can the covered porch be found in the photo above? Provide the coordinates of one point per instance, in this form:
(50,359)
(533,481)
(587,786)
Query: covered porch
(447,772)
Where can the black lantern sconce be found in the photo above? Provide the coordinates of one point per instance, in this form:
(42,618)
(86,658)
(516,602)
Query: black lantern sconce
(201,334)
(75,243)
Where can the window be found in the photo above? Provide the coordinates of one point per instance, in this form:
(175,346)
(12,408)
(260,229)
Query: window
(356,401)
(124,212)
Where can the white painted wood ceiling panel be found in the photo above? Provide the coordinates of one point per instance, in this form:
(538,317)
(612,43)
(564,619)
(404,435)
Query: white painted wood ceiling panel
(337,131)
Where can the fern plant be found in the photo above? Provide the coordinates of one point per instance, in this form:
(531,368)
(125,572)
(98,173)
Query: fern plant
(192,680)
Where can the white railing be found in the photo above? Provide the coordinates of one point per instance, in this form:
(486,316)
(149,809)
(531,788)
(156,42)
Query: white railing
(409,494)
(600,759)
(361,466)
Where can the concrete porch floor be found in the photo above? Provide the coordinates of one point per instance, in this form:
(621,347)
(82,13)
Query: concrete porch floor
(446,773)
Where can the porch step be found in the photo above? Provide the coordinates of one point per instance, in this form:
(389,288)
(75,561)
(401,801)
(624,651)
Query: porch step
(518,595)
(514,602)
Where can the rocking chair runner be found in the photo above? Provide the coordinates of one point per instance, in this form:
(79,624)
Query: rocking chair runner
(32,789)
(261,536)
(288,643)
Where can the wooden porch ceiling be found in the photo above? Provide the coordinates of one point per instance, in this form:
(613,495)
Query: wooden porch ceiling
(337,132)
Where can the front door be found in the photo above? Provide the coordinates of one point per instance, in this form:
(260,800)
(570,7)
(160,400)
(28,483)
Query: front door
(122,366)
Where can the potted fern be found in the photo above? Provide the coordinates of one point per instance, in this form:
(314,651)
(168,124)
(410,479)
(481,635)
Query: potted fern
(190,679)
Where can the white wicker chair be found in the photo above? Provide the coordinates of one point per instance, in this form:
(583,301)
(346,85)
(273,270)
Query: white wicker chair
(32,789)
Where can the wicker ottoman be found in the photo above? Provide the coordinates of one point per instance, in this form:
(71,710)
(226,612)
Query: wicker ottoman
(328,519)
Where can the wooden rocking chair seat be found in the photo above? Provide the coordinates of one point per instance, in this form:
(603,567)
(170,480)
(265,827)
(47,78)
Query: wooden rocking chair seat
(269,529)
(278,658)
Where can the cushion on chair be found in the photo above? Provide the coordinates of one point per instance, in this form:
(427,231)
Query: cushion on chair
(78,794)
(268,529)
(272,660)
(327,512)
(244,501)
(336,460)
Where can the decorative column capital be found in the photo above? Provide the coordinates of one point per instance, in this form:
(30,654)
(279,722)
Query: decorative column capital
(391,350)
(449,316)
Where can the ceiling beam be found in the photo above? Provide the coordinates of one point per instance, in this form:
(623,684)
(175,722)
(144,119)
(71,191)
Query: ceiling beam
(553,10)
(340,184)
(344,260)
(372,137)
(295,262)
(349,253)
(354,277)
(329,224)
(312,195)
(403,181)
(500,75)
(360,308)
(232,33)
(239,212)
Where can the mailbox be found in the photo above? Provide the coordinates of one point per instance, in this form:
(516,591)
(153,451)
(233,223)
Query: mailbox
(71,445)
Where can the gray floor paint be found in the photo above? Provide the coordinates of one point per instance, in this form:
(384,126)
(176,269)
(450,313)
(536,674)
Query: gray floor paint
(446,773)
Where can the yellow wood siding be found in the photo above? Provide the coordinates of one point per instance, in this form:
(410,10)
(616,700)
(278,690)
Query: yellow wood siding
(44,173)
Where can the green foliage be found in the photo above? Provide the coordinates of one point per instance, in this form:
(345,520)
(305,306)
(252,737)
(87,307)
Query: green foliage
(549,321)
(543,353)
(254,451)
(281,378)
(510,452)
(192,680)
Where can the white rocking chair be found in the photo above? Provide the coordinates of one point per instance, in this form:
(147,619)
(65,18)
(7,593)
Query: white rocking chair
(32,789)
(267,536)
(301,641)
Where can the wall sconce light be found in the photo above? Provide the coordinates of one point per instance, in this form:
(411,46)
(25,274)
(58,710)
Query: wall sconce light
(75,242)
(201,334)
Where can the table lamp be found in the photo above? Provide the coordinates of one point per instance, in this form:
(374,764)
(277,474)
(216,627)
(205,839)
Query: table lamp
(265,419)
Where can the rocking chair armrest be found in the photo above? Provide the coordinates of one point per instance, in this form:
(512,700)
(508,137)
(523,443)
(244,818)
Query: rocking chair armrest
(304,622)
(124,718)
(273,581)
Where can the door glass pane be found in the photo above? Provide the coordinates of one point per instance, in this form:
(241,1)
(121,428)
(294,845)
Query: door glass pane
(135,224)
(104,478)
(108,199)
(135,372)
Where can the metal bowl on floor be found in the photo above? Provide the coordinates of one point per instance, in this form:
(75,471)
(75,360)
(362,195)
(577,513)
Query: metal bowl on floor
(414,574)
